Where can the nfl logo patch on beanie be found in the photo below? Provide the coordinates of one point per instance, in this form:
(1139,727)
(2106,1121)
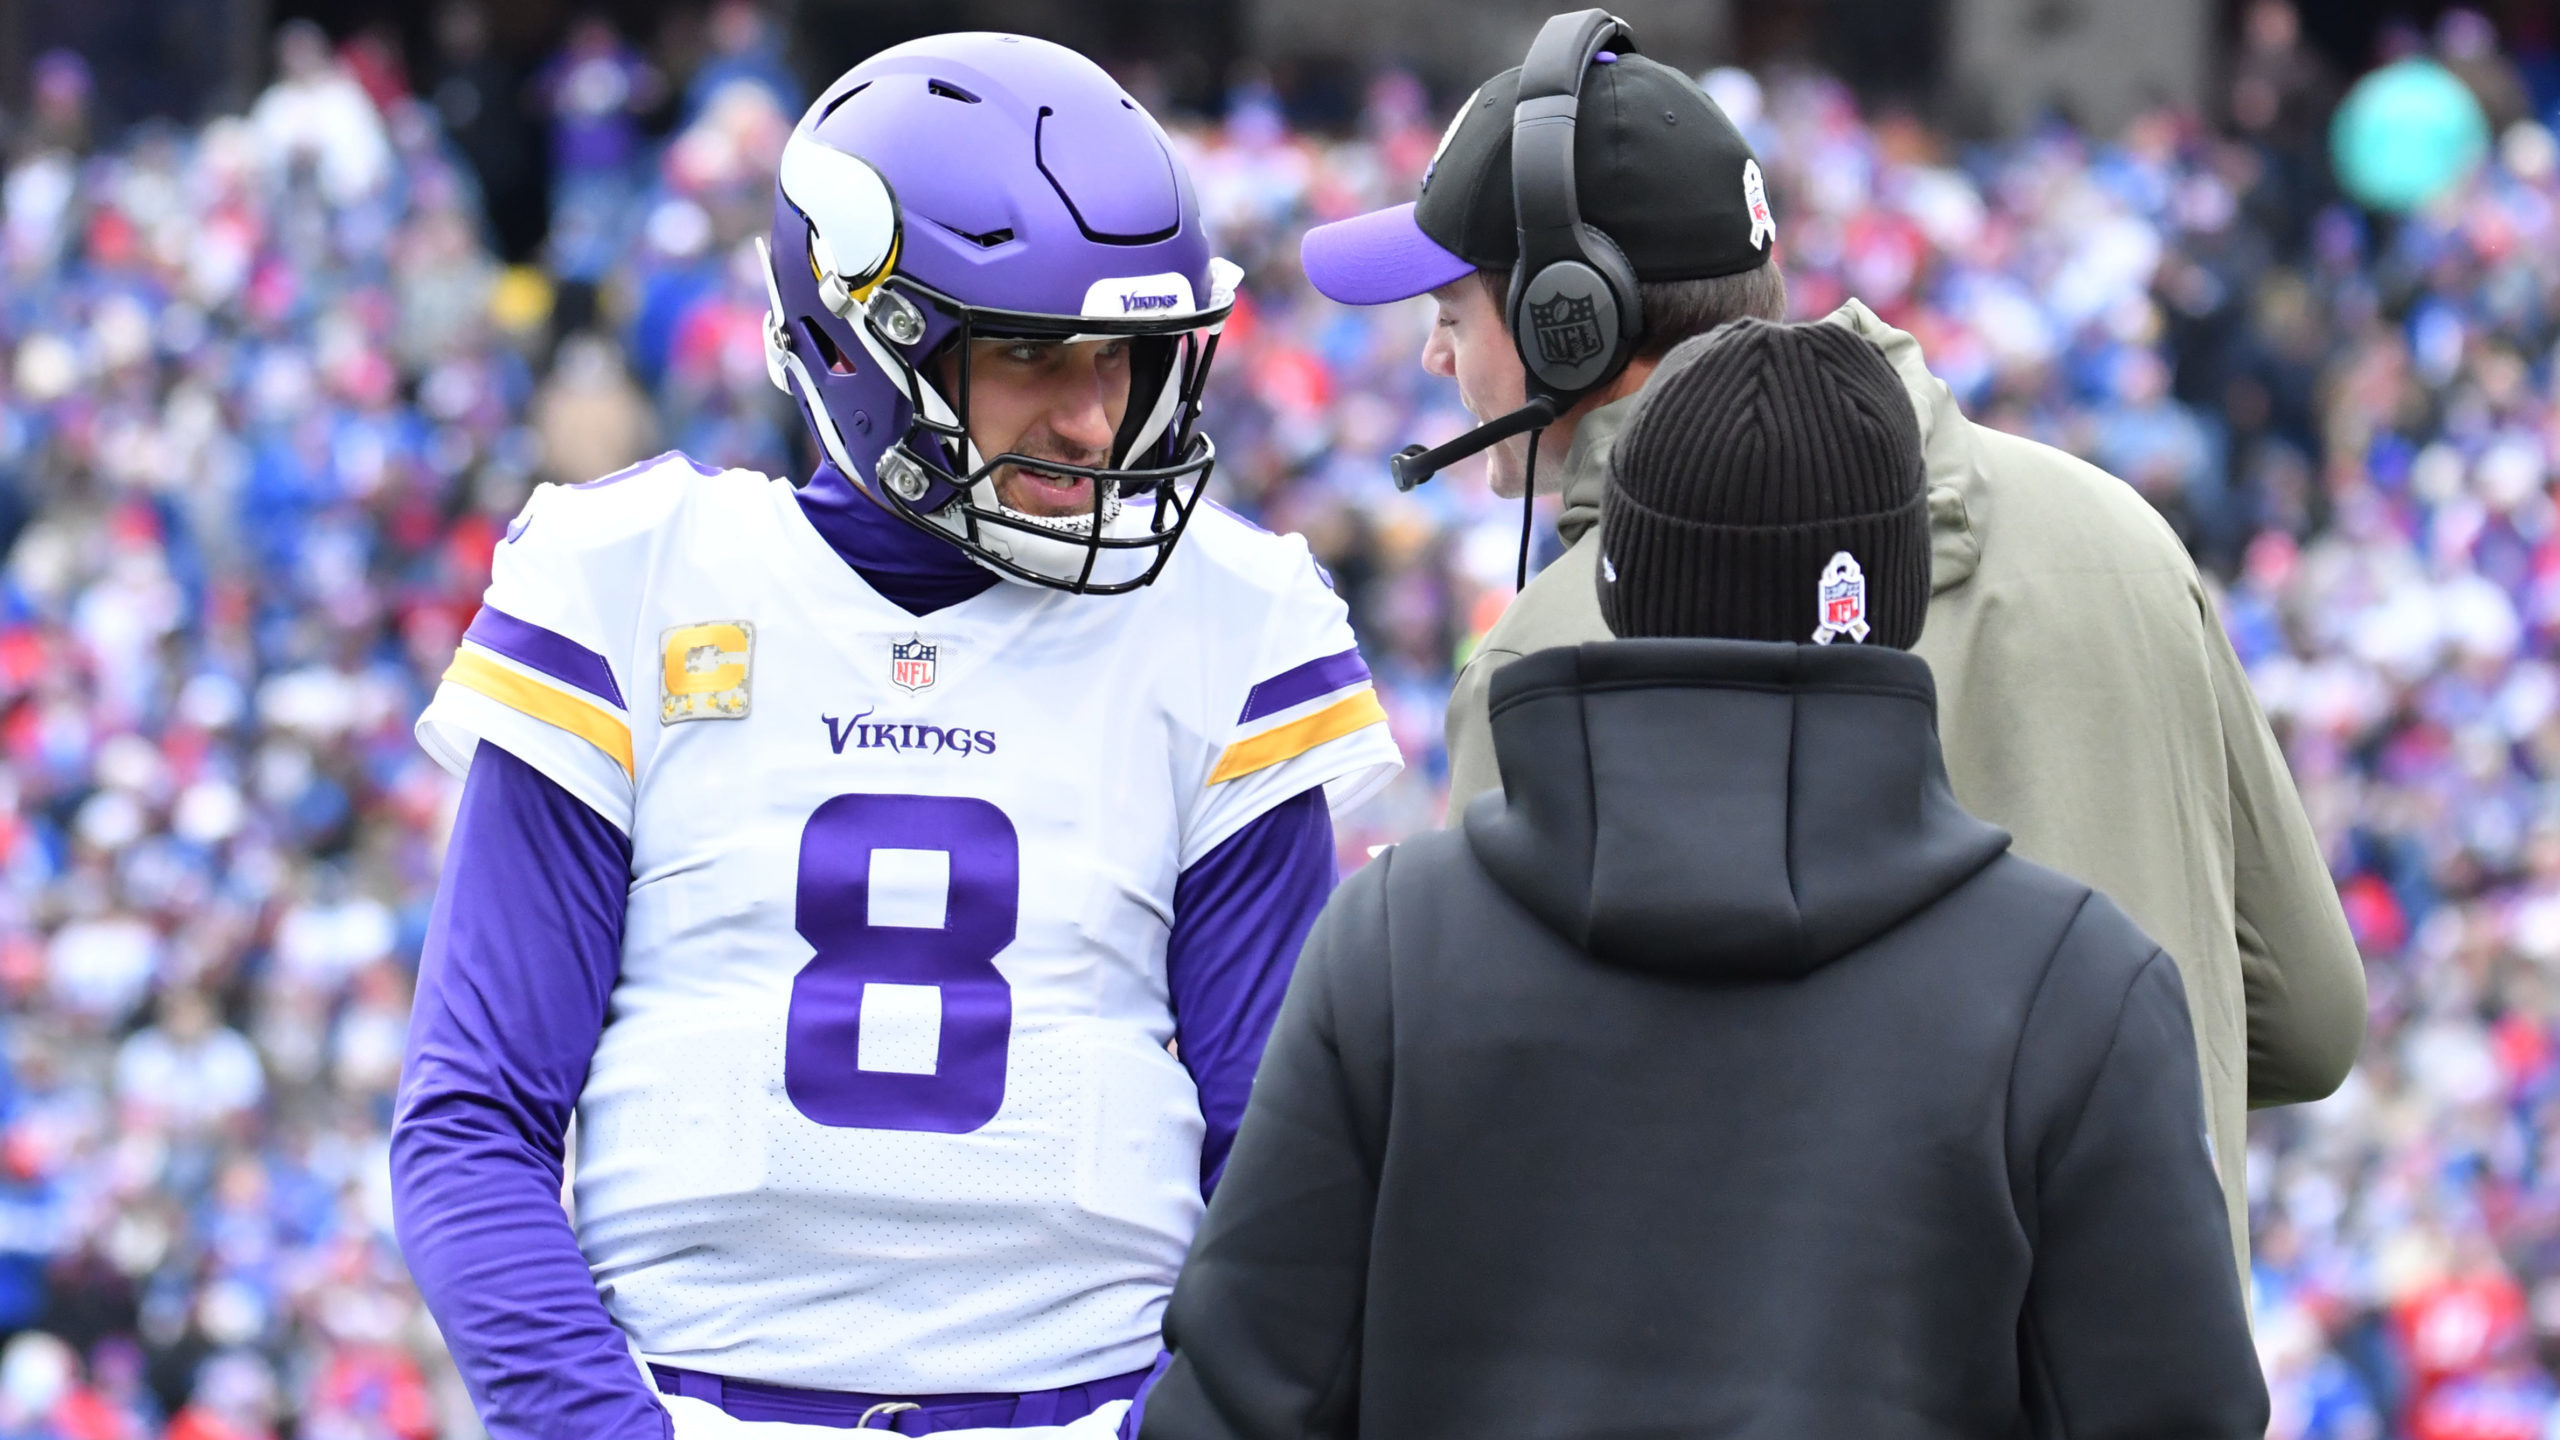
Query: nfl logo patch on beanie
(1769,486)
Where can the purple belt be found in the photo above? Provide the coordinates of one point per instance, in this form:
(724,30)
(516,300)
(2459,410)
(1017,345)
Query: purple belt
(756,1400)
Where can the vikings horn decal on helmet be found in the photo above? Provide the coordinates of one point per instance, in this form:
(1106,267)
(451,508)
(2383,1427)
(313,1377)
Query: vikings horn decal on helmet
(994,186)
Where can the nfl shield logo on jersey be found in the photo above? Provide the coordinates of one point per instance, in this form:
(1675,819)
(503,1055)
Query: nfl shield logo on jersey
(911,663)
(1842,596)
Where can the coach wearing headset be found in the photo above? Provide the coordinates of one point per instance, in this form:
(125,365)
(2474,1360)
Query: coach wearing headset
(2088,700)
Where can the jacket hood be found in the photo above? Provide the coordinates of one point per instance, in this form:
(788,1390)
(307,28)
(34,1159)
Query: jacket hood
(1722,809)
(1946,445)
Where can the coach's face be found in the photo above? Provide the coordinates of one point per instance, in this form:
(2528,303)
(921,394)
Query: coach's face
(1051,401)
(1470,344)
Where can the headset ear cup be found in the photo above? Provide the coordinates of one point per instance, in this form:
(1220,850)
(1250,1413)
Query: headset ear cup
(1604,256)
(1605,262)
(1573,309)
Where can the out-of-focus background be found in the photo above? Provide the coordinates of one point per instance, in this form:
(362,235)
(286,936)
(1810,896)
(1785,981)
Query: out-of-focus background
(298,298)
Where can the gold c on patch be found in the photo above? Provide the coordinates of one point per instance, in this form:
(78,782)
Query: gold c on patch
(705,672)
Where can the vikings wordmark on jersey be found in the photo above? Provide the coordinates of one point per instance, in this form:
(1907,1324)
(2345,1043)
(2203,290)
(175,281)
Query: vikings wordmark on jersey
(903,918)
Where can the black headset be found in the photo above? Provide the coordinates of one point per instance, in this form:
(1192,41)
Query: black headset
(1573,311)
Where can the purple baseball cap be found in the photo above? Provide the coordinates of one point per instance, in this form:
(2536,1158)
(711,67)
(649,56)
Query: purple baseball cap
(1377,258)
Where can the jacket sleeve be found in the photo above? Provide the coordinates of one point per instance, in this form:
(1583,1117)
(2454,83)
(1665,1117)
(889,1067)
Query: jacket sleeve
(522,952)
(1265,1324)
(1472,768)
(2299,969)
(2134,1327)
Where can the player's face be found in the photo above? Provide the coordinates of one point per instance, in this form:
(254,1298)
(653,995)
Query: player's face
(1469,344)
(1052,401)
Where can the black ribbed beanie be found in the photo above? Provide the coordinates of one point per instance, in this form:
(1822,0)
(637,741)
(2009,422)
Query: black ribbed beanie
(1758,455)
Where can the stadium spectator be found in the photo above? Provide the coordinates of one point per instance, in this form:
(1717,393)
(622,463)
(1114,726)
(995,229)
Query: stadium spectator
(234,1399)
(189,1071)
(588,418)
(481,102)
(32,1224)
(317,115)
(2281,90)
(744,51)
(57,105)
(594,93)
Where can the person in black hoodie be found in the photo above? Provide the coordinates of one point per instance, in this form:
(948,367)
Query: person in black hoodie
(1721,1076)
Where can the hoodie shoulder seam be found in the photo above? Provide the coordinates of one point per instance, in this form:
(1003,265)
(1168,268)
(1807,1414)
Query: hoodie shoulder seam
(2017,1051)
(2115,1032)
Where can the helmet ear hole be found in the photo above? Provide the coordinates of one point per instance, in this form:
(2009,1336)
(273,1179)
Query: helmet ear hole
(837,361)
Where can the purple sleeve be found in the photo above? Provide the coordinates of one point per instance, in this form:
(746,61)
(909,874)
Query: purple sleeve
(521,954)
(1239,916)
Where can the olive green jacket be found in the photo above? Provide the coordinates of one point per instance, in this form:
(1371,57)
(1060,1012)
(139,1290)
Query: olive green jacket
(2089,702)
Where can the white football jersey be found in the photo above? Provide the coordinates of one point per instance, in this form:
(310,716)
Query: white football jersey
(883,1101)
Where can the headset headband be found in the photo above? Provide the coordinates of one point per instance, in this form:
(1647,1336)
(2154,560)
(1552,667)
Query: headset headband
(1573,309)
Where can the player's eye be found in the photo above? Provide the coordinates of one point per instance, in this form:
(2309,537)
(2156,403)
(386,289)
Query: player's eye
(1112,351)
(1027,353)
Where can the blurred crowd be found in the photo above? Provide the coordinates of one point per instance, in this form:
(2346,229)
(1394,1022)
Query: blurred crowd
(268,396)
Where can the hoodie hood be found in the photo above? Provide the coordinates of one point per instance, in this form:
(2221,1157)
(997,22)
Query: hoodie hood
(1722,809)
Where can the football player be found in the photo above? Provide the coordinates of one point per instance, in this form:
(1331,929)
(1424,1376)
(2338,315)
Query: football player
(895,874)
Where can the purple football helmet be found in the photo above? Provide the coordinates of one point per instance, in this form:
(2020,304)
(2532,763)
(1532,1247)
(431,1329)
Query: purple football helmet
(982,186)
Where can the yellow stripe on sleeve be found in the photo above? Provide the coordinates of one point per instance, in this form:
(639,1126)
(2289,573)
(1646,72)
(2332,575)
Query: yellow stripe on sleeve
(1288,742)
(590,723)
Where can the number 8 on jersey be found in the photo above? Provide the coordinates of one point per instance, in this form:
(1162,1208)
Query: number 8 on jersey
(901,1019)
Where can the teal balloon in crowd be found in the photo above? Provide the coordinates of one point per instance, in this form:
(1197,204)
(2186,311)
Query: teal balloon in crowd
(2406,134)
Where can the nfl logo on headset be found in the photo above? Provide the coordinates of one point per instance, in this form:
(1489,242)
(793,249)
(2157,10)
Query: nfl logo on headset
(911,663)
(1568,329)
(1842,596)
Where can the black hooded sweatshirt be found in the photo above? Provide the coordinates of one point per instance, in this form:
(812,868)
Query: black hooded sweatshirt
(1727,1080)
